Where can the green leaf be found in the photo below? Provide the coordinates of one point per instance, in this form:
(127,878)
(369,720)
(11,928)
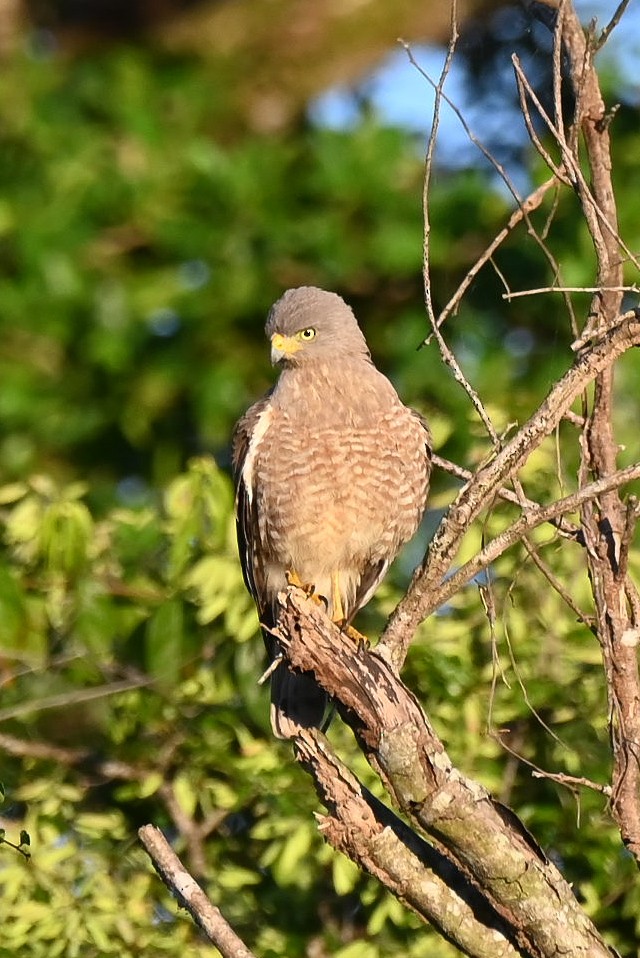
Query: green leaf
(12,492)
(164,643)
(346,874)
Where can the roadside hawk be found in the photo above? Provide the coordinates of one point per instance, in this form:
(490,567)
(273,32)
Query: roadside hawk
(331,474)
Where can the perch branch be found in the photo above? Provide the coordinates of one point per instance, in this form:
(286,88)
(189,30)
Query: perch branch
(484,839)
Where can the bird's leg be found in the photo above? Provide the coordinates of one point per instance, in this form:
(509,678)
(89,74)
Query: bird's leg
(340,618)
(336,599)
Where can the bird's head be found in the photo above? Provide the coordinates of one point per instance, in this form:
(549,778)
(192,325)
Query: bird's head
(312,325)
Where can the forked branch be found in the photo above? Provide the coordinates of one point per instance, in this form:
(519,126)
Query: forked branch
(483,840)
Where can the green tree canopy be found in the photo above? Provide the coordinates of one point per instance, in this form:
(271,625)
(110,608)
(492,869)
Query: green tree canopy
(142,243)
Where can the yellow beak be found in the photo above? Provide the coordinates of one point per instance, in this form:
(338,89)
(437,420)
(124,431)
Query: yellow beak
(282,346)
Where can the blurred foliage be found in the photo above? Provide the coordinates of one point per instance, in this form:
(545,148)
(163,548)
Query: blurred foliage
(140,253)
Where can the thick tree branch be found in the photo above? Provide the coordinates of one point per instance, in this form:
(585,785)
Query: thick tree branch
(423,879)
(485,840)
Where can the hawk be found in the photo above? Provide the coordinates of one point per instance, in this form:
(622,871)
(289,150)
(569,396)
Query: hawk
(331,472)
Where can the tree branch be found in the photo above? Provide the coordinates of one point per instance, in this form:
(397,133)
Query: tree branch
(531,518)
(189,895)
(484,839)
(605,521)
(484,485)
(365,830)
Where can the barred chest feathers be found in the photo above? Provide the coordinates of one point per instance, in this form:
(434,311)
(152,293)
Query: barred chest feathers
(330,496)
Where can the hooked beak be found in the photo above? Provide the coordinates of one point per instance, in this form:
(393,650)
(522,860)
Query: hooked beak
(283,346)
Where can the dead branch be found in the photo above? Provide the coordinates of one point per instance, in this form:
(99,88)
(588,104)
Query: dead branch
(189,895)
(481,489)
(365,830)
(531,518)
(613,23)
(606,519)
(528,205)
(64,699)
(568,289)
(484,839)
(446,353)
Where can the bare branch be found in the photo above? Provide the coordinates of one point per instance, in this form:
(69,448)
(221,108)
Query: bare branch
(446,353)
(483,838)
(428,167)
(528,521)
(556,584)
(365,830)
(612,24)
(483,487)
(570,289)
(189,895)
(527,206)
(64,699)
(605,522)
(570,781)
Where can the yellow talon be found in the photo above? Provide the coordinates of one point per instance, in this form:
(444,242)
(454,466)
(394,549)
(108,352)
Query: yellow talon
(362,642)
(309,590)
(293,578)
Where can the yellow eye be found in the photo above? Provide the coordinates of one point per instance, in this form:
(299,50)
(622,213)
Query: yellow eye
(306,334)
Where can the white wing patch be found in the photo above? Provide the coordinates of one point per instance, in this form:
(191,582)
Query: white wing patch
(257,435)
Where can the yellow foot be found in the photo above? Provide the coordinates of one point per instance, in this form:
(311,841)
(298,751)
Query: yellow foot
(309,590)
(362,642)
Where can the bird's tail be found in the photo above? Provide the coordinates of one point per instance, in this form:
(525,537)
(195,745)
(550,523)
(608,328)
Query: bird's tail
(297,702)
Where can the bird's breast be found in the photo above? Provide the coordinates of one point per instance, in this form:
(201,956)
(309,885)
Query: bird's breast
(331,494)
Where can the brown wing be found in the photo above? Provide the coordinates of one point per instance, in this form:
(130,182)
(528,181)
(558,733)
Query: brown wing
(242,447)
(297,701)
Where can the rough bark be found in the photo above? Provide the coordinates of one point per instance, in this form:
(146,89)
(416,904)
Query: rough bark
(484,840)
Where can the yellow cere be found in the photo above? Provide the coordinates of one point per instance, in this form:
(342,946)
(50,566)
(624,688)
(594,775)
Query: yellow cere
(285,344)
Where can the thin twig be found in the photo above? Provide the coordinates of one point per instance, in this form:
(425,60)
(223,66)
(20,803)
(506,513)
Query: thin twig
(556,583)
(446,353)
(570,289)
(65,699)
(431,145)
(612,24)
(528,205)
(528,521)
(571,781)
(524,89)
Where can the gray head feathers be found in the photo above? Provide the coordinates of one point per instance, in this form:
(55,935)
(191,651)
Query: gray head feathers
(317,326)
